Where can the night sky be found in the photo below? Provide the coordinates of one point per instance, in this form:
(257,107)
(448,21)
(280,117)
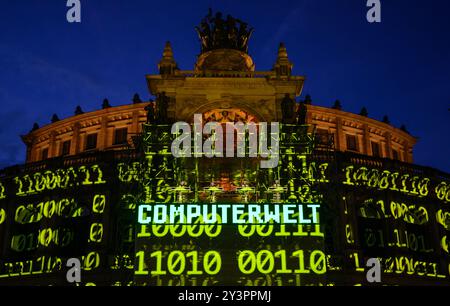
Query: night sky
(399,67)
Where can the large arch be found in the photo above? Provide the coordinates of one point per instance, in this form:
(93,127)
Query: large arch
(222,104)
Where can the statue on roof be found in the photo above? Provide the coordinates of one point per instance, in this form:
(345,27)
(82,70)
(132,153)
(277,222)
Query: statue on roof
(216,33)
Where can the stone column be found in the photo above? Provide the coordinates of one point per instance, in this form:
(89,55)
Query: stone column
(309,118)
(366,140)
(29,142)
(340,139)
(388,137)
(28,154)
(75,144)
(102,135)
(135,122)
(408,152)
(52,145)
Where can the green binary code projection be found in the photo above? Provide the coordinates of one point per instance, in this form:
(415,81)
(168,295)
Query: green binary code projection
(142,217)
(221,174)
(259,246)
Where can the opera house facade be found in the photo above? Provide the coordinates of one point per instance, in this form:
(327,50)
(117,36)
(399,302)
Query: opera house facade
(78,193)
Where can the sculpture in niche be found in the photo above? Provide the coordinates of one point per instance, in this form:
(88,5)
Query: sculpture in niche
(301,114)
(287,108)
(150,113)
(162,103)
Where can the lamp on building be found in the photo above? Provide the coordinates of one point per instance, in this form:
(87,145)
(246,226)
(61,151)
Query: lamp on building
(386,119)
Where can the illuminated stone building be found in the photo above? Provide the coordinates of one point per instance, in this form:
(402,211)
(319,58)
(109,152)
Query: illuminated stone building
(229,85)
(85,177)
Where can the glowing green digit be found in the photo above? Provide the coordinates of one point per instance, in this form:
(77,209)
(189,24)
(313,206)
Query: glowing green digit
(282,231)
(317,231)
(99,203)
(265,261)
(158,256)
(144,231)
(260,229)
(317,262)
(2,215)
(404,180)
(370,237)
(156,230)
(31,242)
(421,241)
(282,255)
(30,183)
(373,178)
(243,227)
(398,242)
(40,211)
(208,263)
(62,204)
(96,233)
(384,180)
(40,182)
(96,169)
(18,181)
(322,172)
(18,243)
(174,229)
(197,225)
(412,242)
(52,180)
(87,175)
(49,209)
(67,237)
(124,174)
(443,192)
(247,262)
(394,177)
(45,236)
(194,260)
(300,227)
(91,261)
(176,258)
(423,187)
(54,264)
(141,266)
(414,185)
(2,191)
(301,262)
(355,256)
(217,226)
(21,214)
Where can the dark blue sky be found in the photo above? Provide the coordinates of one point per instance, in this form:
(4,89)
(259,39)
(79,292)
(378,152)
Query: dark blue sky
(400,67)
